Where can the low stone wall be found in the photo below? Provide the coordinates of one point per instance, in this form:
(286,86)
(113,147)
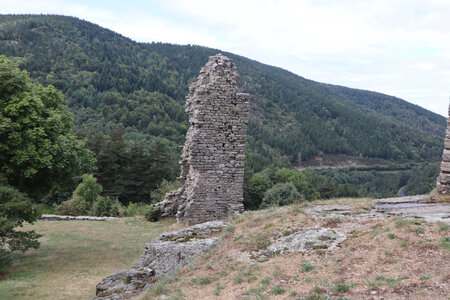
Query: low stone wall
(47,217)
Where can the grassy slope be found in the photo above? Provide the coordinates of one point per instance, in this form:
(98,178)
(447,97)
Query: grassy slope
(395,258)
(74,256)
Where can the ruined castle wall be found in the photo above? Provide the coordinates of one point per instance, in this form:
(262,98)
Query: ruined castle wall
(213,157)
(443,180)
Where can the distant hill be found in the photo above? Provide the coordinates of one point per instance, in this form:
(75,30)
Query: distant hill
(111,81)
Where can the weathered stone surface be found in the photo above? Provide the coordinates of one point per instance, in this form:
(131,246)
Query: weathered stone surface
(446,155)
(47,217)
(169,206)
(443,184)
(124,283)
(445,167)
(402,200)
(410,206)
(414,207)
(339,210)
(447,143)
(162,256)
(301,241)
(213,157)
(444,178)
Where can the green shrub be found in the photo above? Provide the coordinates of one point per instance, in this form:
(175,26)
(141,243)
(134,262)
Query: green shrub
(5,260)
(105,207)
(75,206)
(255,189)
(307,267)
(391,236)
(15,209)
(278,290)
(166,186)
(83,199)
(281,194)
(425,277)
(445,242)
(135,209)
(341,287)
(153,214)
(130,210)
(299,179)
(45,209)
(88,189)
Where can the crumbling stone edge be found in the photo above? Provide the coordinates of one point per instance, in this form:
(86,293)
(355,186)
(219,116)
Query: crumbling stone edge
(443,180)
(162,256)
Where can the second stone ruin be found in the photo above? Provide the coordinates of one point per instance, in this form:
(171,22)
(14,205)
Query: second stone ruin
(443,180)
(213,157)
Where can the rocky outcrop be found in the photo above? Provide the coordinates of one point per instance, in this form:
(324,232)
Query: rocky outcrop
(213,157)
(162,256)
(413,207)
(443,180)
(301,241)
(418,206)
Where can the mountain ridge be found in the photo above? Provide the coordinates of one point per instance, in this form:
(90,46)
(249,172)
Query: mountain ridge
(112,81)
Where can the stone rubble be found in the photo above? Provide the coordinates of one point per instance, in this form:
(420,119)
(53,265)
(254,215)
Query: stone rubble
(48,217)
(213,157)
(443,180)
(162,256)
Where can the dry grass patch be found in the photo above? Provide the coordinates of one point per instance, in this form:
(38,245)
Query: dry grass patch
(435,197)
(392,258)
(354,204)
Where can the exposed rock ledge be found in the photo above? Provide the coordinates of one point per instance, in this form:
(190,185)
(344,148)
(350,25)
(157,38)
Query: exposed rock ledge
(162,256)
(46,217)
(301,241)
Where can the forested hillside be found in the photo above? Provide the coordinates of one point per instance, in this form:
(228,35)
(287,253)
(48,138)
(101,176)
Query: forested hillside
(125,96)
(111,81)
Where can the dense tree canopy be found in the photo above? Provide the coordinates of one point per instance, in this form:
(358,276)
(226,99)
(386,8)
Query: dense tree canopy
(372,181)
(126,96)
(112,82)
(130,171)
(38,152)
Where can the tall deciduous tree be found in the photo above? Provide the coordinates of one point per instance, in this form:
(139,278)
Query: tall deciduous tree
(37,151)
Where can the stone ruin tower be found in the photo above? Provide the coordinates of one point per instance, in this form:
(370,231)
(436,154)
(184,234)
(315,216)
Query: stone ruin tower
(213,157)
(443,180)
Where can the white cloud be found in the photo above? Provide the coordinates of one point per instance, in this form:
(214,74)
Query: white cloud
(400,47)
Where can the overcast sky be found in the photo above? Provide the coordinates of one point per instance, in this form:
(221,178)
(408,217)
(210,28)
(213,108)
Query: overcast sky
(397,47)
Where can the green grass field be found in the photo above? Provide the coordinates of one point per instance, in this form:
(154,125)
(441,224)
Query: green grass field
(75,255)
